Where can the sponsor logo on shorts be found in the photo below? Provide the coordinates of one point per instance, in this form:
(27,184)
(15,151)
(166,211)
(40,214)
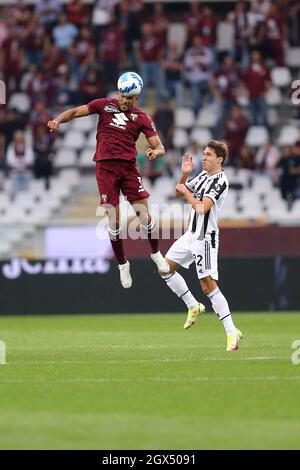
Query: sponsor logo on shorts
(111,109)
(104,198)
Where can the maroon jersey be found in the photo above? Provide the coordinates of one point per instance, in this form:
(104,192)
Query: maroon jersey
(118,131)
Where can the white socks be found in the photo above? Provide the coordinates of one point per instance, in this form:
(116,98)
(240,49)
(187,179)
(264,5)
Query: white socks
(220,306)
(178,285)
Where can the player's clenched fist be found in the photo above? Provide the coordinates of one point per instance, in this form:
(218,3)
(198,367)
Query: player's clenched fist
(53,125)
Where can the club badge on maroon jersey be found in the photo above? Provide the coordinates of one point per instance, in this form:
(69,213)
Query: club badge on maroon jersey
(111,109)
(133,116)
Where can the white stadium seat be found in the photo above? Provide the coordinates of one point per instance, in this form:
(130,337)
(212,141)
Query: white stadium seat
(20,101)
(74,139)
(180,138)
(208,116)
(184,117)
(85,124)
(293,57)
(273,96)
(91,140)
(86,158)
(257,136)
(288,135)
(65,157)
(177,32)
(201,135)
(281,77)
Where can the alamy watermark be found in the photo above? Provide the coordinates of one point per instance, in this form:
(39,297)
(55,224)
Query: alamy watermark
(2,92)
(296,93)
(295,357)
(2,352)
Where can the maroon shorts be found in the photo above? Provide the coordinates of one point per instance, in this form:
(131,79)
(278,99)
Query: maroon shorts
(118,175)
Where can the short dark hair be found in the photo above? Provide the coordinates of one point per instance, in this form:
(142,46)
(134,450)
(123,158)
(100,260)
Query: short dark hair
(220,148)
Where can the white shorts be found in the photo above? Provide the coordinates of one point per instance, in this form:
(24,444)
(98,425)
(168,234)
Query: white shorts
(187,249)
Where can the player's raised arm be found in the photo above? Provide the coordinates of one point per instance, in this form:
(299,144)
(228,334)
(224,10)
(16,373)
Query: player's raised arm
(187,168)
(67,116)
(157,149)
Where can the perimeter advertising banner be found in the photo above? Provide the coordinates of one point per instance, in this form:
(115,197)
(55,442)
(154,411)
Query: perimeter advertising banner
(91,285)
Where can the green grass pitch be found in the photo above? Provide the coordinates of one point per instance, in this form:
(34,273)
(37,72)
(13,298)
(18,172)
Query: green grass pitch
(143,382)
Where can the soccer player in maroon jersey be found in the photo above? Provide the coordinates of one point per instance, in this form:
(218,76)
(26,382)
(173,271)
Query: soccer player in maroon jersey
(119,126)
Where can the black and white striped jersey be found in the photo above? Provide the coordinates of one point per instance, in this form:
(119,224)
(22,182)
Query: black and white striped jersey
(216,188)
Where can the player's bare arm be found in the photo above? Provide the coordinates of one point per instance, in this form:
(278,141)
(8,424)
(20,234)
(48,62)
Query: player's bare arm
(187,168)
(157,149)
(67,116)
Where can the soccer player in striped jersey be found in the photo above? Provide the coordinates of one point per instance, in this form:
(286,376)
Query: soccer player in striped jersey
(205,193)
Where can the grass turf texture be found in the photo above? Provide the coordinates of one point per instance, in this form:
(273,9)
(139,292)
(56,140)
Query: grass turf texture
(142,382)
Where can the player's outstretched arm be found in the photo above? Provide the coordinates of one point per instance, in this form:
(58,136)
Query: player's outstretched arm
(157,149)
(67,116)
(187,167)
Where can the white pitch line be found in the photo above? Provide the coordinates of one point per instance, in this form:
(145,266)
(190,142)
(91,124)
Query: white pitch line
(152,379)
(142,361)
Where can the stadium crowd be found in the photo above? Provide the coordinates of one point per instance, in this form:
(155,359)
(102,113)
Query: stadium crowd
(60,55)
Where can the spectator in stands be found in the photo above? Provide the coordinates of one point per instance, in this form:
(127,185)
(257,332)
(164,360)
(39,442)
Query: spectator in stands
(198,61)
(130,19)
(2,151)
(276,33)
(192,21)
(48,12)
(235,129)
(241,21)
(150,55)
(39,117)
(288,165)
(77,13)
(112,54)
(41,87)
(102,15)
(151,169)
(164,122)
(91,86)
(34,39)
(64,33)
(224,86)
(82,53)
(19,161)
(43,155)
(161,23)
(257,81)
(267,159)
(12,60)
(14,121)
(246,158)
(207,27)
(172,66)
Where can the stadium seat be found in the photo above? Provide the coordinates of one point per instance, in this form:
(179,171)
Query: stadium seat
(20,101)
(273,96)
(201,135)
(184,117)
(293,57)
(71,176)
(86,158)
(91,140)
(5,249)
(281,77)
(208,116)
(257,136)
(288,135)
(74,139)
(85,124)
(65,157)
(177,33)
(180,138)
